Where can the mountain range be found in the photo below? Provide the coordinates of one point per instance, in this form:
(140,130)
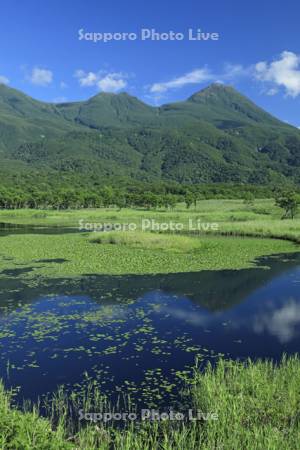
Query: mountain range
(216,135)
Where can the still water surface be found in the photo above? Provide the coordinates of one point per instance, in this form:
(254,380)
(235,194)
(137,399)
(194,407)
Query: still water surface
(140,334)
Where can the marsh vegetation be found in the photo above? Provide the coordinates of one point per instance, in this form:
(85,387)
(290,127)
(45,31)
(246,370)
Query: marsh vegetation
(129,313)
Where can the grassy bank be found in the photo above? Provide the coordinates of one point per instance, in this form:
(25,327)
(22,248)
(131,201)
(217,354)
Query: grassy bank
(150,241)
(232,217)
(256,406)
(211,210)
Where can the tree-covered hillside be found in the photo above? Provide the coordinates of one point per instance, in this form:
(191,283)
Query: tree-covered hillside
(217,135)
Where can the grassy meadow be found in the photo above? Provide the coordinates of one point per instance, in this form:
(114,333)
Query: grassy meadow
(262,218)
(207,210)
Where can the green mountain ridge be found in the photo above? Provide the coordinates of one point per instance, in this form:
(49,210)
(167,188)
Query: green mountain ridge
(216,135)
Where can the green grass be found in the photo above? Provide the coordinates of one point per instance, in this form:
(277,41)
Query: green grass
(283,229)
(149,241)
(142,252)
(206,210)
(257,406)
(85,257)
(263,219)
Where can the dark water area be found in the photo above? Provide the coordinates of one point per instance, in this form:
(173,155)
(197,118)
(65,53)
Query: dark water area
(140,335)
(11,228)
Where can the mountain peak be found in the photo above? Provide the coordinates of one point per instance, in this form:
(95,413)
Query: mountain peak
(224,102)
(214,89)
(109,94)
(118,97)
(121,94)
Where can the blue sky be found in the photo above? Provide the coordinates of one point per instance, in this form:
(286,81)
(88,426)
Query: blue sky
(258,50)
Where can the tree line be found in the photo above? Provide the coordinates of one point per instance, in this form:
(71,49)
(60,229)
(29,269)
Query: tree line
(136,195)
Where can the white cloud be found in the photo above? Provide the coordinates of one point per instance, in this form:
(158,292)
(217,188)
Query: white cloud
(112,82)
(283,72)
(282,323)
(40,77)
(106,82)
(234,71)
(194,77)
(4,80)
(272,91)
(192,317)
(86,79)
(230,72)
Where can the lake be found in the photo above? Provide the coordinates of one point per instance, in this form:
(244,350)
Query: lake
(140,335)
